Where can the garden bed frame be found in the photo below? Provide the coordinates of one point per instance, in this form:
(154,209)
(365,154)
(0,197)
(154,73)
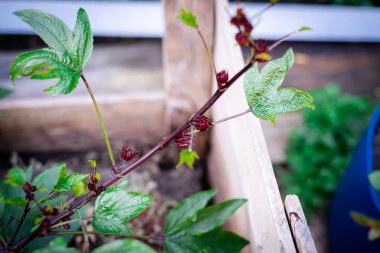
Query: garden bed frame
(239,163)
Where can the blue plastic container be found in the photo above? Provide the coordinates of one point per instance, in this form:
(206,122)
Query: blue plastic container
(355,193)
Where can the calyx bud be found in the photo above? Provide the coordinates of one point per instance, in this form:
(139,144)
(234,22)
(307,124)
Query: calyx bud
(222,77)
(127,153)
(183,140)
(201,123)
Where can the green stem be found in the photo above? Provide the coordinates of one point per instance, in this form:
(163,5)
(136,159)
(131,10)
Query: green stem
(100,119)
(209,55)
(70,221)
(42,199)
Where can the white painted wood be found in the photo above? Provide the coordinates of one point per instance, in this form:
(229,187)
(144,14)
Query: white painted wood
(145,19)
(239,163)
(298,225)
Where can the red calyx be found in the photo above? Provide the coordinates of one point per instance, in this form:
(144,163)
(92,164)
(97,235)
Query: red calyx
(222,77)
(260,46)
(183,140)
(94,179)
(91,186)
(127,153)
(201,123)
(241,39)
(29,189)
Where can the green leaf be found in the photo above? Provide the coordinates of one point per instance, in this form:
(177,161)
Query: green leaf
(114,207)
(47,179)
(79,188)
(192,227)
(217,240)
(66,182)
(187,157)
(188,18)
(4,92)
(54,65)
(15,201)
(364,220)
(187,210)
(264,95)
(211,217)
(57,245)
(304,28)
(374,233)
(2,204)
(83,39)
(374,178)
(92,163)
(51,29)
(15,177)
(124,245)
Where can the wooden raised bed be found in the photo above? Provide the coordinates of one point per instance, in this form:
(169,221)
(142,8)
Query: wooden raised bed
(239,163)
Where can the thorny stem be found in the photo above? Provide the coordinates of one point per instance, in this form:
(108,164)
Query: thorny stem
(126,169)
(261,12)
(70,221)
(211,59)
(26,210)
(232,117)
(277,43)
(100,119)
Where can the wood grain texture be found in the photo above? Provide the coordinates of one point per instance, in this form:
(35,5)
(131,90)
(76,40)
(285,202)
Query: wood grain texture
(239,164)
(298,225)
(187,70)
(70,123)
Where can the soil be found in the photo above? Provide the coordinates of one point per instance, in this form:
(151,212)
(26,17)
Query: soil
(157,177)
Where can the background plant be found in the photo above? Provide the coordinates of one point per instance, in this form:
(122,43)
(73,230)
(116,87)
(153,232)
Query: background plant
(56,196)
(318,152)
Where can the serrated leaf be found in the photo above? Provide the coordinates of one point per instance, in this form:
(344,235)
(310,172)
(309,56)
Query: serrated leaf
(54,65)
(188,18)
(92,163)
(374,178)
(264,95)
(187,210)
(83,39)
(217,240)
(50,28)
(2,204)
(114,207)
(187,157)
(124,245)
(15,177)
(57,245)
(66,182)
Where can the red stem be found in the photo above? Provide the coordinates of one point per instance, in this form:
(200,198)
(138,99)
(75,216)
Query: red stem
(124,170)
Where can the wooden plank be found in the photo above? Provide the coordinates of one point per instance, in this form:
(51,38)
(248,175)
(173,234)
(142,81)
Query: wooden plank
(298,225)
(70,123)
(187,70)
(239,164)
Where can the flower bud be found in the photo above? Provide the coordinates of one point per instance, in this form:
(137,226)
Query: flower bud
(201,123)
(127,153)
(241,39)
(222,77)
(183,140)
(260,46)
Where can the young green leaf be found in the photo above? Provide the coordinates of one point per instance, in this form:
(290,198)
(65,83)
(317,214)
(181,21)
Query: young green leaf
(188,18)
(374,178)
(114,207)
(15,201)
(54,65)
(264,95)
(47,179)
(51,29)
(83,39)
(304,28)
(2,204)
(92,163)
(58,245)
(364,220)
(15,177)
(66,182)
(198,230)
(187,210)
(124,245)
(187,157)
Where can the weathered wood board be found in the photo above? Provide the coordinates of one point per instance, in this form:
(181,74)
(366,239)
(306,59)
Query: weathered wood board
(239,163)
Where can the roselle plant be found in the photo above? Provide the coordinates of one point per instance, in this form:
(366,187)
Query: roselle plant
(34,208)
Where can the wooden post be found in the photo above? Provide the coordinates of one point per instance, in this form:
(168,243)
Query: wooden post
(187,70)
(298,225)
(239,163)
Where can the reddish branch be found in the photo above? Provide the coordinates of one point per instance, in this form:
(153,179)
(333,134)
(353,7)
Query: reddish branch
(126,169)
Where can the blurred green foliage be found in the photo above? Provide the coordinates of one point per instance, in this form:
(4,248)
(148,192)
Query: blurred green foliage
(319,151)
